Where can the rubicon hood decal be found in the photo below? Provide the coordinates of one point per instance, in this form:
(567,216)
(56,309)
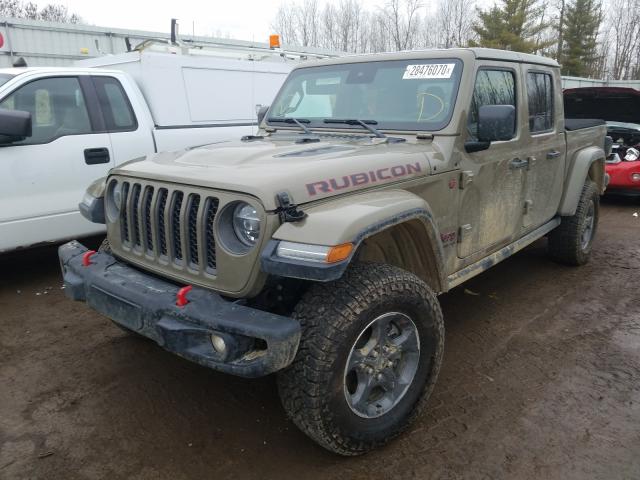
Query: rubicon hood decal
(363,178)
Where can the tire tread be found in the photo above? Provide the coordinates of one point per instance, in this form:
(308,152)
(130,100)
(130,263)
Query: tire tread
(324,313)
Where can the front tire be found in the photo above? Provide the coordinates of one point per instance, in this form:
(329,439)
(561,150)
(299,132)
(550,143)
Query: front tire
(369,356)
(571,242)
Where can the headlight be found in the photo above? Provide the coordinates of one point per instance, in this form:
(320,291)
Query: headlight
(246,224)
(117,195)
(113,200)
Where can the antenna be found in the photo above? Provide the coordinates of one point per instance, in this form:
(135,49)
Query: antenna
(174,31)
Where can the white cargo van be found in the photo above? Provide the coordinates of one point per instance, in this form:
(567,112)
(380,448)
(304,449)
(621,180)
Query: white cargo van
(62,128)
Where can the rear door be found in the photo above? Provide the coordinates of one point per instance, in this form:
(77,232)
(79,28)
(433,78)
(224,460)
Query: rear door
(492,203)
(45,176)
(545,145)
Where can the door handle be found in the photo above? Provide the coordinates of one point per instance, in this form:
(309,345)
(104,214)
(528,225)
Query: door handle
(95,156)
(518,163)
(553,154)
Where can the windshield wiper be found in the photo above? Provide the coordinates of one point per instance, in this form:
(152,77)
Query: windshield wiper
(354,121)
(298,121)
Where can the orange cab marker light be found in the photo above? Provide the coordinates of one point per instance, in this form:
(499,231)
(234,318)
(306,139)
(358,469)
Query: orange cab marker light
(86,257)
(339,252)
(181,296)
(274,41)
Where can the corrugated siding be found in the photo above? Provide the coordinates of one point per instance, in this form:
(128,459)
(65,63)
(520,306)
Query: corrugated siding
(56,44)
(578,82)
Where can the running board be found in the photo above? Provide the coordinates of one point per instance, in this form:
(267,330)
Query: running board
(480,266)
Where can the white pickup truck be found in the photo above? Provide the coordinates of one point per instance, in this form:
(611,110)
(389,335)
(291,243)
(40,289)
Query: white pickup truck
(63,128)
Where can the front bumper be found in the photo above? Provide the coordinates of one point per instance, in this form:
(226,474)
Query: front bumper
(257,343)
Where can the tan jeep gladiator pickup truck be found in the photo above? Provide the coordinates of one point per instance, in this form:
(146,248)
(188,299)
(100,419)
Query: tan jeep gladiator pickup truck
(317,249)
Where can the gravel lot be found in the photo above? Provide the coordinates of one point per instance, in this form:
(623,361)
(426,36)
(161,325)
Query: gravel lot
(540,380)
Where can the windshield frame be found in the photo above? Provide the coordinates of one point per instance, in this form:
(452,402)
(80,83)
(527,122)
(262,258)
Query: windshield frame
(317,124)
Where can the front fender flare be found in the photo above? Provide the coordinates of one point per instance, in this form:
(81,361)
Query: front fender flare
(353,219)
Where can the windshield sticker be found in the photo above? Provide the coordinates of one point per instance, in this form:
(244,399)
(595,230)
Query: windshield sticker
(431,70)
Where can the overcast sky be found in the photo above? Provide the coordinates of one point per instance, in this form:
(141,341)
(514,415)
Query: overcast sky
(238,19)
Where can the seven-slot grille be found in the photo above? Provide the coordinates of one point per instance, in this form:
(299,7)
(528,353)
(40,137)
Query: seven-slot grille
(169,224)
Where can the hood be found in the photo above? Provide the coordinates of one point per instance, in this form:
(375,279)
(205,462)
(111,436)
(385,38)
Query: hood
(613,104)
(307,171)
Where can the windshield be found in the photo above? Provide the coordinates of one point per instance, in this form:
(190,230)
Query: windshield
(396,95)
(4,78)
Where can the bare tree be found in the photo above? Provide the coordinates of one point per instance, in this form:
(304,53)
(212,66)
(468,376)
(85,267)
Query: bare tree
(307,15)
(624,30)
(561,11)
(57,13)
(285,23)
(51,12)
(403,19)
(455,20)
(11,8)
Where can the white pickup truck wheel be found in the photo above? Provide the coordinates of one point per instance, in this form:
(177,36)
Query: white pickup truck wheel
(368,359)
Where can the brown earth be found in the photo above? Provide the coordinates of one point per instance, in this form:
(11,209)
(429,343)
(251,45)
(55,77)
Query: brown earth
(541,379)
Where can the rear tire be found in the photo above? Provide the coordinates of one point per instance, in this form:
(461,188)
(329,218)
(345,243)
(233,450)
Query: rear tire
(369,356)
(571,242)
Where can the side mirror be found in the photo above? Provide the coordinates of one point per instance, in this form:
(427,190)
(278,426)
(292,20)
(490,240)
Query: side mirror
(15,125)
(262,112)
(496,123)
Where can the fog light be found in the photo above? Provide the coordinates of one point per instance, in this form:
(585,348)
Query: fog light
(635,177)
(218,343)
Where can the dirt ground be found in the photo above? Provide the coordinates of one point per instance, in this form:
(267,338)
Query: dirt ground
(541,379)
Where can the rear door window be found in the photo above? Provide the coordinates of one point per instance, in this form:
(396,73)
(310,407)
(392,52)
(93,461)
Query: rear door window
(115,105)
(493,87)
(540,100)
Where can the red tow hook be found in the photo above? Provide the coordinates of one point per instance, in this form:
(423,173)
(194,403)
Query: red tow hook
(181,296)
(86,257)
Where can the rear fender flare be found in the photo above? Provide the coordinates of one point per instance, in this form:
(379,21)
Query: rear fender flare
(577,175)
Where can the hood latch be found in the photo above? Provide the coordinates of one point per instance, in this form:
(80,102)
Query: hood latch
(288,211)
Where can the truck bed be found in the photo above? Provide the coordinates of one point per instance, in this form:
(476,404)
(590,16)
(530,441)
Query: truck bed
(572,124)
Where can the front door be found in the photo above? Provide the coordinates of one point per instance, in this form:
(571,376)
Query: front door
(493,180)
(45,176)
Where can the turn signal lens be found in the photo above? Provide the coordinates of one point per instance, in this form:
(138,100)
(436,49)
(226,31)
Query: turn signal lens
(339,252)
(314,253)
(635,177)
